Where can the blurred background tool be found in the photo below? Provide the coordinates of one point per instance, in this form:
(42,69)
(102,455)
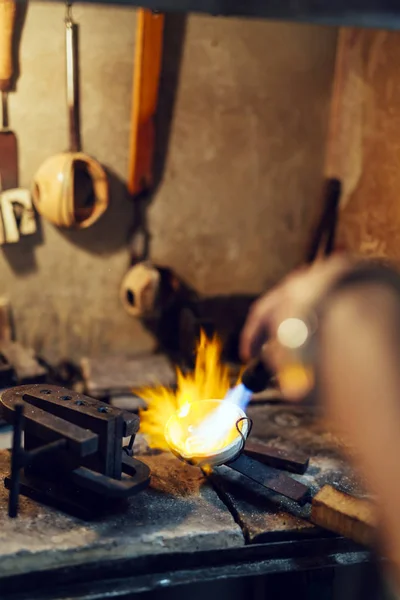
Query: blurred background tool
(8,140)
(71,189)
(146,77)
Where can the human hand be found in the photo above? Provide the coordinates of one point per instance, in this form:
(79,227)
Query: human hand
(358,373)
(294,298)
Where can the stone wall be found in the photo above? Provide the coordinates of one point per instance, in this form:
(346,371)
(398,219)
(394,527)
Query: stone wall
(242,170)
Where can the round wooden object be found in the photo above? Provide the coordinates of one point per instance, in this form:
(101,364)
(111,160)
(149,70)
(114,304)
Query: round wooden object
(71,190)
(139,290)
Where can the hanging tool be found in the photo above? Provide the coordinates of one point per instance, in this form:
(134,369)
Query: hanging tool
(8,140)
(71,189)
(17,214)
(146,78)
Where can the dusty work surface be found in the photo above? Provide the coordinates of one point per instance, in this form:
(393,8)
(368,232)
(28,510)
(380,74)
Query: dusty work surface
(181,511)
(263,515)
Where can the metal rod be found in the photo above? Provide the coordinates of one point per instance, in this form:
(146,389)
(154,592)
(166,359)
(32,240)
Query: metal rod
(129,448)
(4,108)
(71,54)
(16,460)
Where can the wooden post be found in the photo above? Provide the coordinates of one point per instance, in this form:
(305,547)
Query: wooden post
(363,148)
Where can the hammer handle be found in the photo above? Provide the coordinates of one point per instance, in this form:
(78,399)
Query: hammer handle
(8,9)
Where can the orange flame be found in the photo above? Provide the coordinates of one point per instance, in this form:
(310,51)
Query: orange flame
(209,380)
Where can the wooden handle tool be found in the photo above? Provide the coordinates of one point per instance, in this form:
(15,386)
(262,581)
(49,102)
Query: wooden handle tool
(146,75)
(8,10)
(8,140)
(351,517)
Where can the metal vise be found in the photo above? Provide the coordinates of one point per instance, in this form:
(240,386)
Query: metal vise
(73,455)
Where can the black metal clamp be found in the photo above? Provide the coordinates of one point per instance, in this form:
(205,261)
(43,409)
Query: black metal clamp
(73,452)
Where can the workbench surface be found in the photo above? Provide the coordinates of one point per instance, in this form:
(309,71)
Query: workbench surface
(181,513)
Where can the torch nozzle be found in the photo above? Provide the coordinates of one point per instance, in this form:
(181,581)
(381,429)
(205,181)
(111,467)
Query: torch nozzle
(257,376)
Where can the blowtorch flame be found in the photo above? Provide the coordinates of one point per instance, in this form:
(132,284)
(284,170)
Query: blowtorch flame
(209,380)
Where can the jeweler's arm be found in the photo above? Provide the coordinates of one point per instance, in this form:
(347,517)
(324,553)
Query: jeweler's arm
(360,388)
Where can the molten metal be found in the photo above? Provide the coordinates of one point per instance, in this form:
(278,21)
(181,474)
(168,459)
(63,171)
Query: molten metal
(207,433)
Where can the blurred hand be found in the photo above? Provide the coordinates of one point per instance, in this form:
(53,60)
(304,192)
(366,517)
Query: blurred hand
(359,377)
(295,296)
